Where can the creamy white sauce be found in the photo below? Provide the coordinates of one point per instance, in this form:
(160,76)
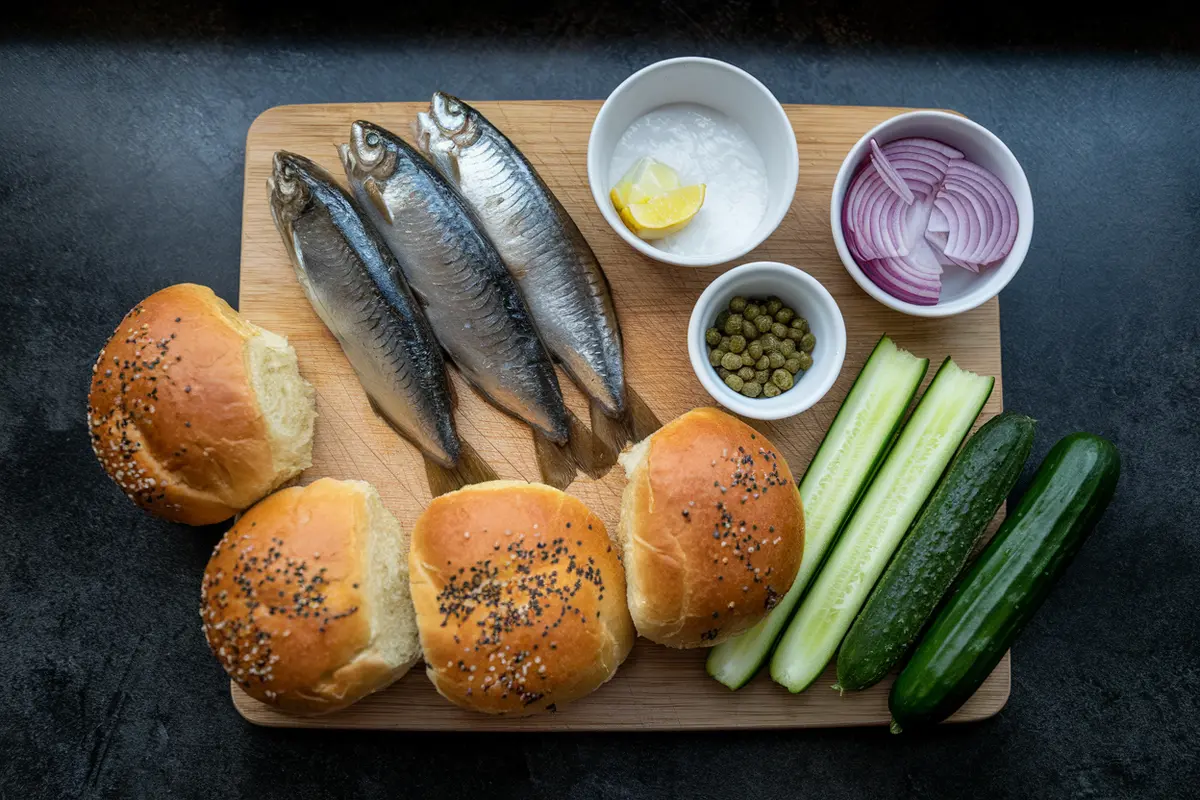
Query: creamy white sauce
(703,146)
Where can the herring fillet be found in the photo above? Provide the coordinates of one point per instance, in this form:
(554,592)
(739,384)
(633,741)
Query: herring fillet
(543,248)
(471,301)
(353,283)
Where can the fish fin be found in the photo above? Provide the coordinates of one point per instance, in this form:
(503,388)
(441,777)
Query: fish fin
(471,469)
(375,195)
(556,461)
(347,157)
(613,432)
(645,422)
(591,453)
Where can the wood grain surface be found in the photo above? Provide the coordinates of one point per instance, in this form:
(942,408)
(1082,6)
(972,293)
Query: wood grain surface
(656,688)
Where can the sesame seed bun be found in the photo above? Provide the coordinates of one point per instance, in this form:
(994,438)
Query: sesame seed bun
(712,529)
(196,413)
(520,598)
(305,600)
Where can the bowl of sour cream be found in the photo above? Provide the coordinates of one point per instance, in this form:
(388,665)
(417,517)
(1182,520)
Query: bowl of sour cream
(712,124)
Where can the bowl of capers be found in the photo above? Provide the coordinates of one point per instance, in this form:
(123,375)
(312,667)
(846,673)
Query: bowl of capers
(766,340)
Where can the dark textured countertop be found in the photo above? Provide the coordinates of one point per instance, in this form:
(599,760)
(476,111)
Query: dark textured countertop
(121,150)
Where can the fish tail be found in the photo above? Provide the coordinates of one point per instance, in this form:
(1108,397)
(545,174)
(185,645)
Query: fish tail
(557,462)
(613,433)
(592,452)
(644,421)
(471,468)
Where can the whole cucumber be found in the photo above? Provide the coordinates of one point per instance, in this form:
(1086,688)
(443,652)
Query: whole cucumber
(935,550)
(1008,583)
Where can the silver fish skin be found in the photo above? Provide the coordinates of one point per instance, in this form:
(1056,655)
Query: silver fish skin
(555,267)
(355,286)
(473,304)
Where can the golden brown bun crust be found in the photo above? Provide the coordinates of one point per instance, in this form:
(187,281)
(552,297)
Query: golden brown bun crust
(520,597)
(713,530)
(284,600)
(172,413)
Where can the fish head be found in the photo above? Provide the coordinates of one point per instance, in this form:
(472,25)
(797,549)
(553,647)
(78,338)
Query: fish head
(450,115)
(444,131)
(288,189)
(370,153)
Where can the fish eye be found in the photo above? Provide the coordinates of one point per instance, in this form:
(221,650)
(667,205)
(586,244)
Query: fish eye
(372,139)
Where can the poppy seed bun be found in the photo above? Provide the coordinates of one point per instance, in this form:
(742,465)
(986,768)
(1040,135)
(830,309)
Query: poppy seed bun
(712,529)
(305,600)
(520,598)
(195,412)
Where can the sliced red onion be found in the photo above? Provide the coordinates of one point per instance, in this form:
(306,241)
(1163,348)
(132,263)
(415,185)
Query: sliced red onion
(937,221)
(1009,220)
(929,144)
(888,173)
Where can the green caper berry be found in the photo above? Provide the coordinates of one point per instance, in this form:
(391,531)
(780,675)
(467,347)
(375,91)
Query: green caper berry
(747,361)
(733,324)
(763,362)
(784,315)
(724,373)
(773,305)
(734,382)
(769,343)
(763,323)
(749,329)
(787,347)
(775,360)
(755,350)
(782,378)
(713,337)
(724,343)
(737,304)
(771,390)
(779,329)
(737,343)
(792,365)
(805,360)
(808,343)
(752,311)
(720,321)
(762,375)
(731,361)
(715,355)
(795,334)
(800,323)
(746,374)
(752,389)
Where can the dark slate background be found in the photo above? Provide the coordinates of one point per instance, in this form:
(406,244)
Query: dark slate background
(121,149)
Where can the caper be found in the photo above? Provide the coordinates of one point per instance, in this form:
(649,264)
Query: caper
(713,337)
(731,361)
(763,362)
(787,347)
(715,355)
(784,315)
(749,329)
(781,378)
(805,360)
(755,350)
(747,361)
(762,375)
(746,374)
(771,390)
(720,322)
(774,360)
(737,343)
(792,365)
(734,382)
(800,323)
(752,311)
(773,305)
(808,343)
(737,304)
(795,334)
(724,373)
(724,343)
(770,343)
(779,329)
(763,323)
(733,324)
(752,389)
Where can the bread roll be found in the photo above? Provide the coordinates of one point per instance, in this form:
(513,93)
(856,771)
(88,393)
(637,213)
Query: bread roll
(712,529)
(195,412)
(305,601)
(520,598)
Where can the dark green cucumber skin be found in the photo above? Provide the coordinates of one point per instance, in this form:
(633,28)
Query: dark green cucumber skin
(1008,583)
(879,459)
(935,550)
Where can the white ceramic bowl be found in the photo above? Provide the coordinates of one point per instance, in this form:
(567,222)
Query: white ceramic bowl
(961,290)
(720,86)
(798,290)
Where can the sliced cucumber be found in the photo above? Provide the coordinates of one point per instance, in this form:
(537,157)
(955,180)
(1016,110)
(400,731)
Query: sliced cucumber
(847,458)
(938,426)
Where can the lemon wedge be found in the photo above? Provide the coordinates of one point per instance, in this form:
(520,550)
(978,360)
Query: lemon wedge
(665,214)
(645,179)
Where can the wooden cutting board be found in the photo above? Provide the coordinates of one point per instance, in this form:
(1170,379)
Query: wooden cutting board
(657,688)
